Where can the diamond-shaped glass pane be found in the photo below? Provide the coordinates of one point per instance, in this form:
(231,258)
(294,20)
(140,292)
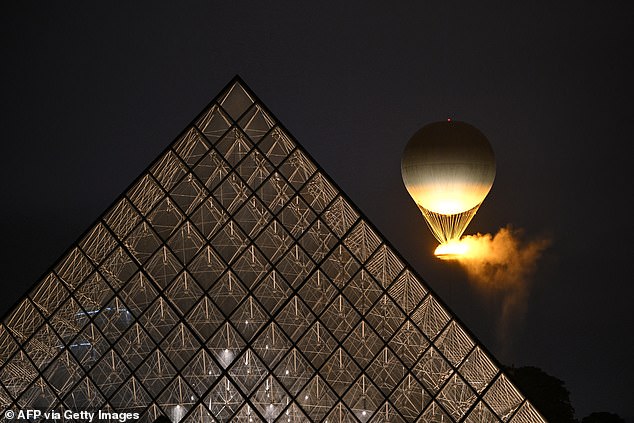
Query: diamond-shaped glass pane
(276,145)
(317,344)
(236,100)
(410,398)
(271,345)
(212,169)
(340,371)
(503,398)
(213,123)
(223,400)
(256,123)
(191,147)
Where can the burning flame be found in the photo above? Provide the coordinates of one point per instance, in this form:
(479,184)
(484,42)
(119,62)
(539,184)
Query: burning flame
(505,253)
(471,247)
(452,249)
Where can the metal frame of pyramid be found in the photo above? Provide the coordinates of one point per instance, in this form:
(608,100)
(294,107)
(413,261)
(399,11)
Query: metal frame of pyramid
(234,281)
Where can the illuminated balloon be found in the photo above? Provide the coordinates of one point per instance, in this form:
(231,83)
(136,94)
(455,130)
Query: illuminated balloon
(448,168)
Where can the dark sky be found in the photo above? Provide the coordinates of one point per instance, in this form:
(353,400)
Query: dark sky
(91,94)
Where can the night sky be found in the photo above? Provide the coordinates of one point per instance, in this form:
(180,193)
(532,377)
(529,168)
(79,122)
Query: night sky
(91,94)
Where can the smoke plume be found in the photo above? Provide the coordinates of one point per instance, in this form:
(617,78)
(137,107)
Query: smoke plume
(501,266)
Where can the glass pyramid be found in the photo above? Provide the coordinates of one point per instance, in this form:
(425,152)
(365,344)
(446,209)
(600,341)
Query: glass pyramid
(234,281)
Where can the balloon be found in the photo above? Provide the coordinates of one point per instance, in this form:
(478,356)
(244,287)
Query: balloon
(448,168)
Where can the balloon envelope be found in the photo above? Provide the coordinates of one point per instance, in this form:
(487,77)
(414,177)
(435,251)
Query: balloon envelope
(448,167)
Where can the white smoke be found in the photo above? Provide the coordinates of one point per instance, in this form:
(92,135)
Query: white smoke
(501,266)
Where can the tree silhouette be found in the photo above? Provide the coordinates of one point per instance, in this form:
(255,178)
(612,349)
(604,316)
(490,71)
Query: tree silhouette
(547,393)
